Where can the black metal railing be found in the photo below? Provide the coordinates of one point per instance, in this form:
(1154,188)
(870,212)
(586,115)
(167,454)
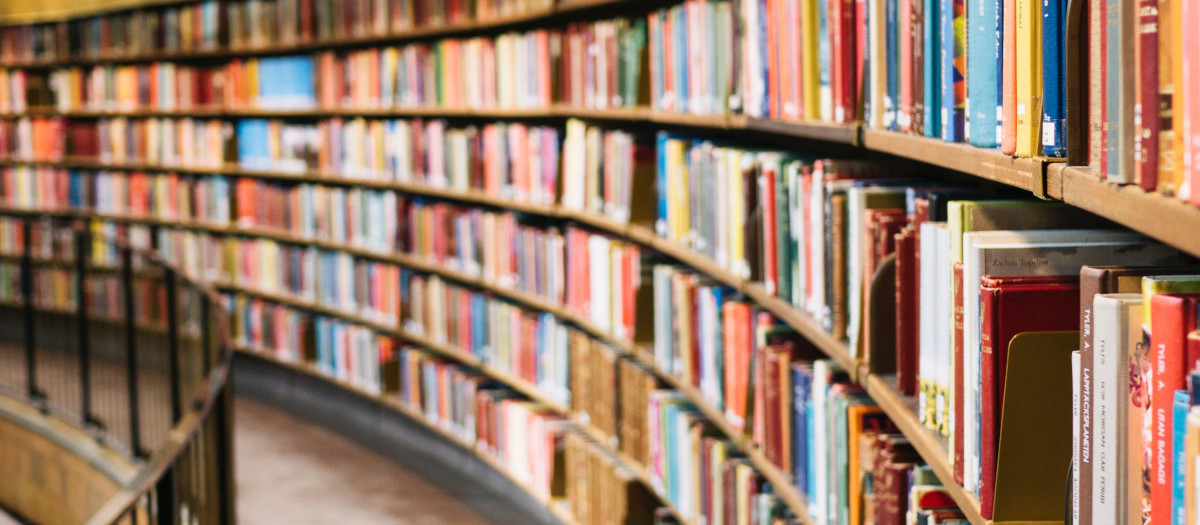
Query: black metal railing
(118,343)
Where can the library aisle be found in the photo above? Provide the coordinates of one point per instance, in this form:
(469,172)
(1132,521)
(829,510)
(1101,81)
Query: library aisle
(291,471)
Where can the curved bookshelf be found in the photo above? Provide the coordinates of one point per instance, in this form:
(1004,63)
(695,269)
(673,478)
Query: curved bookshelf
(1045,178)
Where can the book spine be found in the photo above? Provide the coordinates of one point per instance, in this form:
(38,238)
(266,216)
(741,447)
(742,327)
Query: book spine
(906,320)
(1146,119)
(1028,77)
(989,426)
(1167,340)
(1008,80)
(1054,68)
(932,68)
(1168,25)
(1179,411)
(957,448)
(983,74)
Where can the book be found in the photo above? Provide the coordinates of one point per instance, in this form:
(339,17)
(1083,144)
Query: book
(1117,336)
(1009,306)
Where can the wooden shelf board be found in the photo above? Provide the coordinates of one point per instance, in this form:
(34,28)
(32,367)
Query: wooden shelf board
(817,130)
(1164,218)
(984,163)
(932,447)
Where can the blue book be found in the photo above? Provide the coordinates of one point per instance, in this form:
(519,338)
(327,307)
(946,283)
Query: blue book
(661,226)
(1054,83)
(984,58)
(801,383)
(952,116)
(1179,408)
(891,98)
(823,58)
(286,82)
(682,103)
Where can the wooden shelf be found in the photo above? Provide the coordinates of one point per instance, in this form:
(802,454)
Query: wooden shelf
(989,164)
(1167,219)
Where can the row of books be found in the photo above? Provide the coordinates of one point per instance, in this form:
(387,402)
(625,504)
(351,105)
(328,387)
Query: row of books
(191,27)
(602,489)
(611,392)
(1135,375)
(524,343)
(162,86)
(209,25)
(845,456)
(194,143)
(164,196)
(513,160)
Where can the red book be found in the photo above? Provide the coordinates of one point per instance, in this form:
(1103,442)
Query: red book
(904,19)
(776,361)
(1008,130)
(770,247)
(1172,317)
(1010,306)
(1147,122)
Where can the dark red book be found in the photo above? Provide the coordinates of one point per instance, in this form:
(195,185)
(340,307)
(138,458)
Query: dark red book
(896,457)
(776,361)
(1172,318)
(906,314)
(1010,306)
(957,346)
(1147,123)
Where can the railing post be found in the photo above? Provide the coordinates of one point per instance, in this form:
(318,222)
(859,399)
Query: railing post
(166,500)
(173,344)
(206,328)
(81,315)
(35,394)
(131,354)
(223,418)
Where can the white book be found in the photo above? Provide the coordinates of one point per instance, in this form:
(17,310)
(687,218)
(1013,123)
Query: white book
(927,322)
(823,370)
(1031,252)
(943,328)
(600,309)
(1118,331)
(1076,365)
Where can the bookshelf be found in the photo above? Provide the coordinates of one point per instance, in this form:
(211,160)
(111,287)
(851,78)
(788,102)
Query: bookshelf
(1166,219)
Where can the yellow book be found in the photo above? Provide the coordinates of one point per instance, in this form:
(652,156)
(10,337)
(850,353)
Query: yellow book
(1155,285)
(810,68)
(1029,77)
(1175,13)
(252,82)
(677,198)
(736,206)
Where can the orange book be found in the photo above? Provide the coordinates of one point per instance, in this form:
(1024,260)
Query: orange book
(1008,129)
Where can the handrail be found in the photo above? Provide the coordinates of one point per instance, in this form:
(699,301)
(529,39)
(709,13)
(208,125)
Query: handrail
(197,363)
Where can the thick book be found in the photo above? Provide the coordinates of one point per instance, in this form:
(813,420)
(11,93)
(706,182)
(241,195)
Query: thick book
(1146,120)
(1054,78)
(1008,80)
(1117,318)
(984,47)
(954,69)
(1028,77)
(1172,317)
(1010,306)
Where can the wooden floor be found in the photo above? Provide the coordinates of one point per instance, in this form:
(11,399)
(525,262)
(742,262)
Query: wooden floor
(291,471)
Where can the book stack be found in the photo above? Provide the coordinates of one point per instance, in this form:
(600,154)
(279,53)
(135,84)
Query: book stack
(163,86)
(601,489)
(603,281)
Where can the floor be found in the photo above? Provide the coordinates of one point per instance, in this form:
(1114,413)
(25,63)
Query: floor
(290,471)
